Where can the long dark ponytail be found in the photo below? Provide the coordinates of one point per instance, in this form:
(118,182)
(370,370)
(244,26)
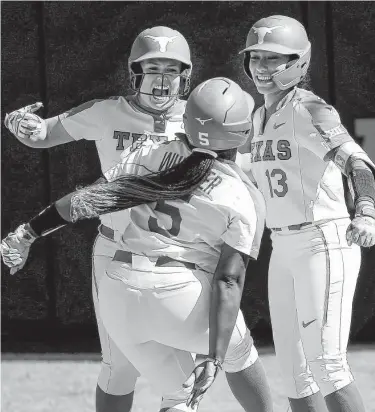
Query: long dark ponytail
(132,190)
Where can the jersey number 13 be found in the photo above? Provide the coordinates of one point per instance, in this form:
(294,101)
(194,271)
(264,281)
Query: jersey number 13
(277,182)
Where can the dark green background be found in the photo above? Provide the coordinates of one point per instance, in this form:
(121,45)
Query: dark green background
(65,53)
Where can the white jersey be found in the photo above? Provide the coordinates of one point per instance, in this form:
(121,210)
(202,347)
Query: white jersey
(116,124)
(288,163)
(193,229)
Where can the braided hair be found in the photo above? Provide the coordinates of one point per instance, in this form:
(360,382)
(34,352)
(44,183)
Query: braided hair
(132,190)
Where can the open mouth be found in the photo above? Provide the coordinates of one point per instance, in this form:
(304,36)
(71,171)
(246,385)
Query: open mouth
(160,93)
(264,78)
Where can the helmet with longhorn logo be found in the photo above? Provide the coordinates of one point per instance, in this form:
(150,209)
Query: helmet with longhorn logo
(160,43)
(283,35)
(218,115)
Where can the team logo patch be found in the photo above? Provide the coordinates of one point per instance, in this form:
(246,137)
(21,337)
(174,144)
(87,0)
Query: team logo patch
(328,135)
(202,121)
(335,131)
(262,31)
(162,41)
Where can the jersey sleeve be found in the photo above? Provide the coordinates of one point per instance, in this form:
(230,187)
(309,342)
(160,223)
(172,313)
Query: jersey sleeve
(87,121)
(319,126)
(240,234)
(242,219)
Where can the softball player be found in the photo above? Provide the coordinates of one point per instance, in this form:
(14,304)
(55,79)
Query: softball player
(174,285)
(297,156)
(160,69)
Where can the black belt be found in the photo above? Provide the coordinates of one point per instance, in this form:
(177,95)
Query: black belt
(162,261)
(292,227)
(107,232)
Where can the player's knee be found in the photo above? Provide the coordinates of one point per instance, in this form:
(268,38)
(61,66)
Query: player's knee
(297,387)
(242,356)
(117,379)
(298,380)
(332,372)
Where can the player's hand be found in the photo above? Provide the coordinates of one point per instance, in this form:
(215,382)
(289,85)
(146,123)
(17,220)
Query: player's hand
(203,376)
(23,123)
(361,231)
(15,248)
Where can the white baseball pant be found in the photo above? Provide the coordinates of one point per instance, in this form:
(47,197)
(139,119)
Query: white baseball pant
(117,375)
(312,279)
(158,318)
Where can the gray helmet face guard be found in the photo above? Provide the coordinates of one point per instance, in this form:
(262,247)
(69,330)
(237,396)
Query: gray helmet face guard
(136,80)
(294,72)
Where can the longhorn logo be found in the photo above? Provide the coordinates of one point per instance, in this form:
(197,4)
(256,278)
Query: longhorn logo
(202,121)
(163,41)
(262,31)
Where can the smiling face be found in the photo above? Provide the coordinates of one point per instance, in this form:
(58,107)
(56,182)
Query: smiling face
(160,85)
(263,64)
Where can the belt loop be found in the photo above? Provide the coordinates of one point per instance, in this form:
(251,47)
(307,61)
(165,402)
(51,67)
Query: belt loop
(123,256)
(297,226)
(106,232)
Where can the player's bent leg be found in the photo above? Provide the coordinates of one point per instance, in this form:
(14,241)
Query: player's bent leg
(118,376)
(300,387)
(166,368)
(244,371)
(298,380)
(173,318)
(128,316)
(190,332)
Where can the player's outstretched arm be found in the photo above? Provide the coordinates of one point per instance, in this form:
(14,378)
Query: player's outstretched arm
(16,245)
(228,285)
(86,203)
(33,131)
(70,208)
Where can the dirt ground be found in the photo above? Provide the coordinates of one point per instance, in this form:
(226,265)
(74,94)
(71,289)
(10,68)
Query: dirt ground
(61,383)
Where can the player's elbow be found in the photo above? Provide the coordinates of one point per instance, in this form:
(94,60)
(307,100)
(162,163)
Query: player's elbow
(231,278)
(231,268)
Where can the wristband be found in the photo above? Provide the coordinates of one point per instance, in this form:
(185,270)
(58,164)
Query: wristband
(47,221)
(216,362)
(365,208)
(363,184)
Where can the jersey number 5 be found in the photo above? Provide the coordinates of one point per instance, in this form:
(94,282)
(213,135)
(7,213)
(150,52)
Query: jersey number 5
(163,207)
(282,187)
